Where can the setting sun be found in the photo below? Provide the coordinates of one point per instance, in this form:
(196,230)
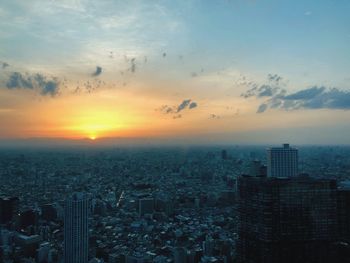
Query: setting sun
(93,123)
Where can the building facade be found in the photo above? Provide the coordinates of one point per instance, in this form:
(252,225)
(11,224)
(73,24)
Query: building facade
(8,209)
(286,220)
(76,229)
(282,161)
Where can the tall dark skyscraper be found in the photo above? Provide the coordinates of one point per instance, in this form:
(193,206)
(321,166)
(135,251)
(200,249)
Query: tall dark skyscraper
(76,229)
(8,209)
(286,220)
(282,161)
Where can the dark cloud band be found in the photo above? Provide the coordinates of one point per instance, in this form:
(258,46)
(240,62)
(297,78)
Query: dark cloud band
(315,97)
(38,81)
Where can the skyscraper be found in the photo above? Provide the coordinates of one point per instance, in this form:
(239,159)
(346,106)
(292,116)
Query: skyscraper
(286,220)
(8,209)
(282,161)
(76,229)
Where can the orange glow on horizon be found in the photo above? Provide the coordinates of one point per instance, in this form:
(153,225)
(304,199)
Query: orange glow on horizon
(106,114)
(96,123)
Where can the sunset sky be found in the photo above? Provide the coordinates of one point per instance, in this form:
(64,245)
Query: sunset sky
(235,71)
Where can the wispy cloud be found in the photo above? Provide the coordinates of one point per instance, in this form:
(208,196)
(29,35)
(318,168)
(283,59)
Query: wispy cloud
(92,30)
(214,116)
(186,104)
(4,65)
(262,108)
(273,86)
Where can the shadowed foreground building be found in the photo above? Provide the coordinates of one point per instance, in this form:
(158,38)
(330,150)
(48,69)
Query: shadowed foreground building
(287,220)
(8,209)
(76,229)
(344,211)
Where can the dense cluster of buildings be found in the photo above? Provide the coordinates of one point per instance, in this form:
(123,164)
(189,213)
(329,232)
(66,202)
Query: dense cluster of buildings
(171,206)
(143,206)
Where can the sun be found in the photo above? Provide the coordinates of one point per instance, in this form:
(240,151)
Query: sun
(95,124)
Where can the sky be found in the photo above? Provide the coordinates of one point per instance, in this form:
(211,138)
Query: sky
(225,71)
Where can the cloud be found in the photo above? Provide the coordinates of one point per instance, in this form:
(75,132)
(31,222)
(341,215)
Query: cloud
(98,71)
(274,78)
(175,110)
(192,105)
(324,98)
(309,98)
(273,86)
(50,88)
(264,90)
(166,109)
(17,80)
(183,105)
(214,116)
(306,94)
(4,65)
(250,92)
(37,81)
(89,86)
(262,108)
(315,97)
(133,65)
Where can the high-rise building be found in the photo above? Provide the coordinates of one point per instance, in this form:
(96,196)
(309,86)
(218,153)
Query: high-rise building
(76,229)
(28,217)
(146,206)
(282,161)
(180,255)
(344,210)
(286,220)
(8,209)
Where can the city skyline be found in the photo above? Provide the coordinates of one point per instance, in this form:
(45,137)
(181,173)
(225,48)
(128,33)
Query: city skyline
(195,205)
(240,72)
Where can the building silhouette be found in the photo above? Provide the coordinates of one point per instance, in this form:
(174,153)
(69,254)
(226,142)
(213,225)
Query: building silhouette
(282,161)
(8,209)
(76,229)
(286,219)
(343,207)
